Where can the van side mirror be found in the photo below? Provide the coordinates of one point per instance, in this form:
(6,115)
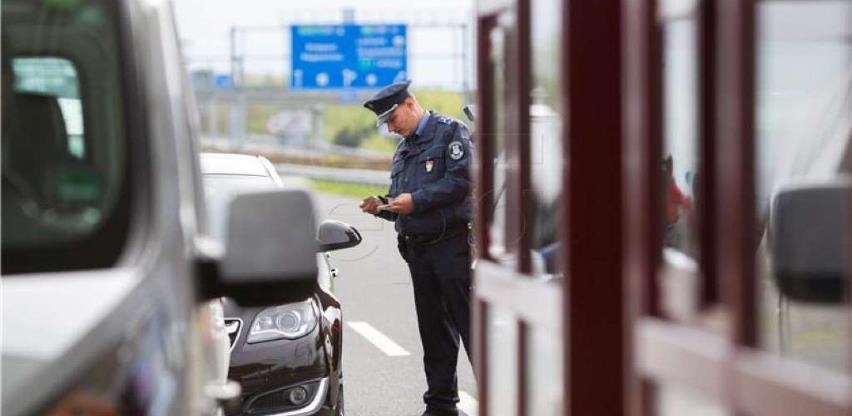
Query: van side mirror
(270,249)
(336,235)
(809,236)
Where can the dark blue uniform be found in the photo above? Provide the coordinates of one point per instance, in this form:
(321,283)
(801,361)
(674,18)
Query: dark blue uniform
(434,166)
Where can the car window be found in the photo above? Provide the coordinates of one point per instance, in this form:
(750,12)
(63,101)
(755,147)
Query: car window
(220,189)
(64,158)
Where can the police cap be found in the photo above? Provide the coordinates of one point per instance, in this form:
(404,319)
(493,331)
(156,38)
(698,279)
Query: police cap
(387,100)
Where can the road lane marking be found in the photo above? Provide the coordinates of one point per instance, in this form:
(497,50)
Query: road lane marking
(467,403)
(380,340)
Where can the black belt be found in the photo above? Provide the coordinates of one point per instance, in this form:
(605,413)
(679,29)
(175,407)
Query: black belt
(426,239)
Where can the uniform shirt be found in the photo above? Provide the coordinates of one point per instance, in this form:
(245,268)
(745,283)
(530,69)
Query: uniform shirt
(433,165)
(421,125)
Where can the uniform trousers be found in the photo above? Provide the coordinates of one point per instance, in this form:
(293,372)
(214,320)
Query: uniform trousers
(441,278)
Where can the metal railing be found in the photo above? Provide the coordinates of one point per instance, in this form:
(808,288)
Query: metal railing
(354,176)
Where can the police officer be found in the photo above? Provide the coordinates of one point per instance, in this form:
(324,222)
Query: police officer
(429,200)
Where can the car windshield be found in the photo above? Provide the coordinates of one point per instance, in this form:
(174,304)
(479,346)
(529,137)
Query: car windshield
(220,189)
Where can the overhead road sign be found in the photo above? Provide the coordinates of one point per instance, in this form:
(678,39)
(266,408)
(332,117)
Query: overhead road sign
(223,82)
(348,56)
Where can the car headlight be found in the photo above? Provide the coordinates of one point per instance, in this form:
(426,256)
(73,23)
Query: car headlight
(290,321)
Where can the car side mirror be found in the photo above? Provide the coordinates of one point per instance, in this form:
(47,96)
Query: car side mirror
(336,235)
(809,236)
(270,249)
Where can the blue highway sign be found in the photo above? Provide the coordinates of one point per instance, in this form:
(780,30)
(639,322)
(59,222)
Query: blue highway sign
(223,82)
(348,56)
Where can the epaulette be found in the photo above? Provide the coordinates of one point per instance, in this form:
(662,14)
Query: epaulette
(445,120)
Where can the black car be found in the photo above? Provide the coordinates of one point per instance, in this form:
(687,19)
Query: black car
(285,357)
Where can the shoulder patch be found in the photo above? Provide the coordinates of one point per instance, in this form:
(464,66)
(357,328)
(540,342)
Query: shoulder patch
(456,150)
(445,120)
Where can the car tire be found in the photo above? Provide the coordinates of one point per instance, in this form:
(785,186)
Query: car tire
(340,406)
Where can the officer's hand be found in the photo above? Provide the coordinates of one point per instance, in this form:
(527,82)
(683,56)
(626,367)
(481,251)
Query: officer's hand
(402,204)
(370,205)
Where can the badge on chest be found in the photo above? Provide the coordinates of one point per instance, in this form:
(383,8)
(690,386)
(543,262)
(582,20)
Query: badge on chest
(429,165)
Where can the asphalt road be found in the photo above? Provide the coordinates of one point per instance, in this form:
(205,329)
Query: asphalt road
(382,354)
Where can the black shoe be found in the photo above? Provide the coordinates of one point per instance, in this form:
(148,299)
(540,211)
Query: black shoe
(440,412)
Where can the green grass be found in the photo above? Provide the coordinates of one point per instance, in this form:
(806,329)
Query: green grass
(384,145)
(347,189)
(351,122)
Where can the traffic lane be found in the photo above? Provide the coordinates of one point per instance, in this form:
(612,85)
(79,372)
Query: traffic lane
(375,287)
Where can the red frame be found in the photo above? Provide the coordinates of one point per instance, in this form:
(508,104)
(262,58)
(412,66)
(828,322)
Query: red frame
(725,367)
(591,209)
(593,312)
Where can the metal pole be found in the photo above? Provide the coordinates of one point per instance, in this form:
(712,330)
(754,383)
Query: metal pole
(317,118)
(233,119)
(348,16)
(286,34)
(466,91)
(238,125)
(233,53)
(212,132)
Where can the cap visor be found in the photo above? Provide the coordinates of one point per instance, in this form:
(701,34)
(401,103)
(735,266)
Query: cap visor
(383,118)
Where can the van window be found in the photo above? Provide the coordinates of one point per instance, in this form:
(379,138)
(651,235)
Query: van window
(64,158)
(56,77)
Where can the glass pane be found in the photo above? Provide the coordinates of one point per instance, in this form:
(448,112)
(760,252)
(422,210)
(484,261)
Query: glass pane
(677,400)
(679,171)
(544,387)
(55,77)
(680,139)
(46,94)
(544,373)
(546,133)
(803,125)
(498,56)
(502,350)
(64,144)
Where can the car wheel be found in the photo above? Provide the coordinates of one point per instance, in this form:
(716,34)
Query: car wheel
(340,403)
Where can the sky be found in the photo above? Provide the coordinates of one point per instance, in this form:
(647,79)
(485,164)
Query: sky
(205,25)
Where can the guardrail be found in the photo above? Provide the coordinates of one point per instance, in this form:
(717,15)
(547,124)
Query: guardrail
(296,155)
(355,176)
(270,143)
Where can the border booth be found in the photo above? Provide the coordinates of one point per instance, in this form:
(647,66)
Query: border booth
(663,207)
